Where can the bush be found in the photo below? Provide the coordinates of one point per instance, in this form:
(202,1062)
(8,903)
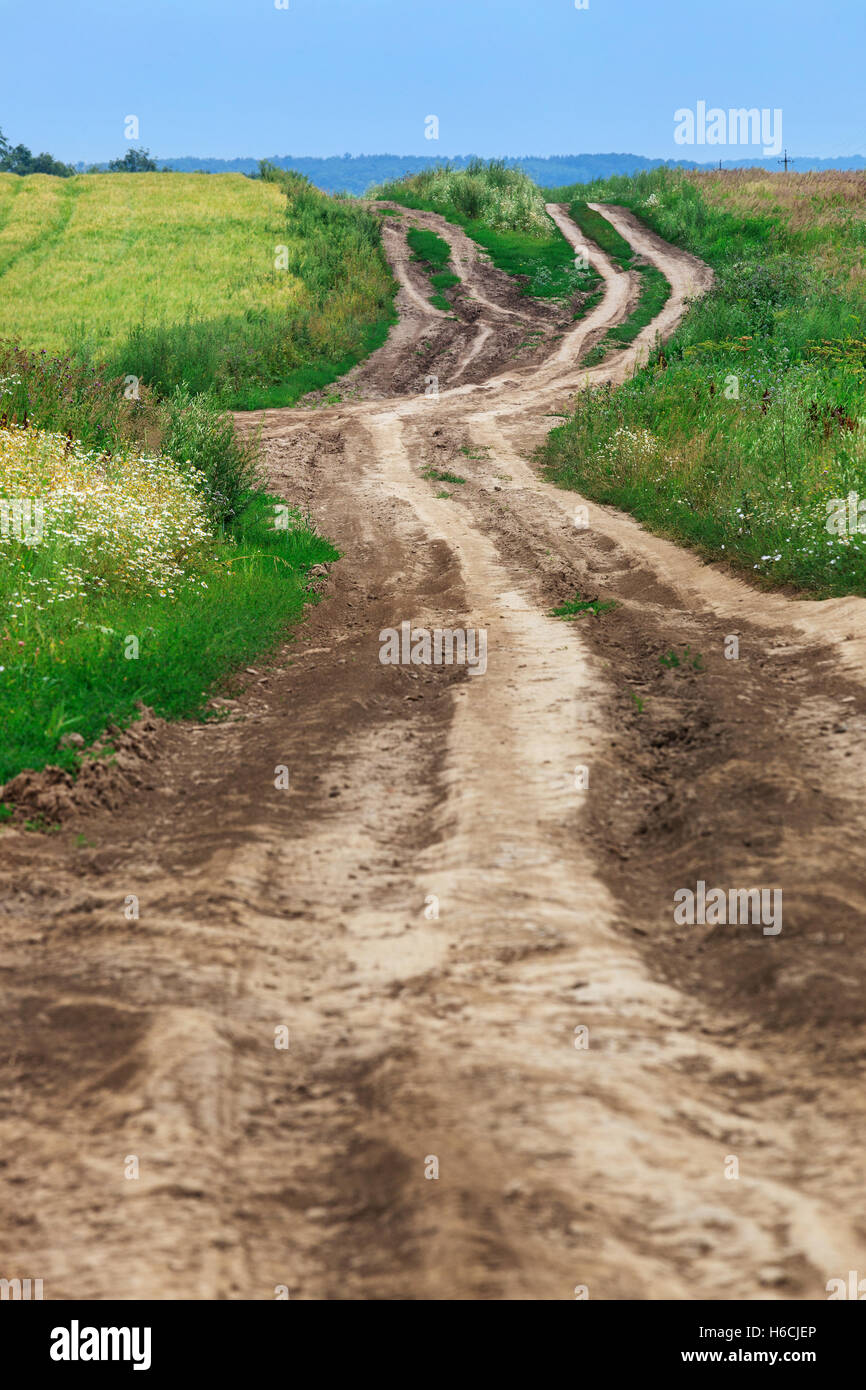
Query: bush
(133,162)
(197,432)
(503,198)
(18,159)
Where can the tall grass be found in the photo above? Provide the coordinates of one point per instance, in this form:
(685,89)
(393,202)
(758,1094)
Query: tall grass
(65,394)
(742,431)
(199,434)
(503,198)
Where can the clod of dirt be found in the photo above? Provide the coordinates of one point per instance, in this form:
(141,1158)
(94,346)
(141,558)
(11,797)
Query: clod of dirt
(104,777)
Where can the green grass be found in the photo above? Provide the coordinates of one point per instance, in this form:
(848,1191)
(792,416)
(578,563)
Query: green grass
(130,248)
(655,291)
(228,285)
(428,247)
(602,232)
(654,294)
(543,265)
(442,477)
(64,670)
(314,376)
(739,434)
(548,265)
(434,253)
(443,280)
(577,606)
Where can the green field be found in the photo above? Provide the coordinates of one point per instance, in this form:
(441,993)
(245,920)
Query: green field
(88,258)
(255,289)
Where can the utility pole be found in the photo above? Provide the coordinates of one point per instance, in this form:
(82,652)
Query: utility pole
(786,161)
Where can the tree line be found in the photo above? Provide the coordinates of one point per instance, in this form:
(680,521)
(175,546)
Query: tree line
(18,159)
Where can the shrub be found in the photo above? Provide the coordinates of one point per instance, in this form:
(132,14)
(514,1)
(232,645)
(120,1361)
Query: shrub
(503,198)
(199,434)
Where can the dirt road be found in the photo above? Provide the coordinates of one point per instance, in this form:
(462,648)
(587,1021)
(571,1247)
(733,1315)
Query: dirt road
(460,912)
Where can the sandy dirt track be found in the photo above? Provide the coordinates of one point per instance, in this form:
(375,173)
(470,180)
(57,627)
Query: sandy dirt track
(414,1036)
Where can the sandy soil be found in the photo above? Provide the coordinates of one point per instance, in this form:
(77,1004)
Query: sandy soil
(415,1036)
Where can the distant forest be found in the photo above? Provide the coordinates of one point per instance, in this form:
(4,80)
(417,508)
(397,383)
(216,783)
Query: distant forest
(356,173)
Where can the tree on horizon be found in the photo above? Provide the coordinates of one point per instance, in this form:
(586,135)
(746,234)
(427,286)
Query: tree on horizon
(18,159)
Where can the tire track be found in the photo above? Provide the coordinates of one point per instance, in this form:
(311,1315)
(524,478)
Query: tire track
(450,1036)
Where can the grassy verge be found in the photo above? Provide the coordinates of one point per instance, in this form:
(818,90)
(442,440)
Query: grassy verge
(745,436)
(68,669)
(315,375)
(129,571)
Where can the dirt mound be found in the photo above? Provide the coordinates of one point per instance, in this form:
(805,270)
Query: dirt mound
(109,771)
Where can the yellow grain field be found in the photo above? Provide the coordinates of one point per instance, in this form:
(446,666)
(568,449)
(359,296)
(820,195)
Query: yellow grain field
(83,260)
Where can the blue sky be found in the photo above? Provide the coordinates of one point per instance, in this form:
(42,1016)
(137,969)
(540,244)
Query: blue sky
(229,78)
